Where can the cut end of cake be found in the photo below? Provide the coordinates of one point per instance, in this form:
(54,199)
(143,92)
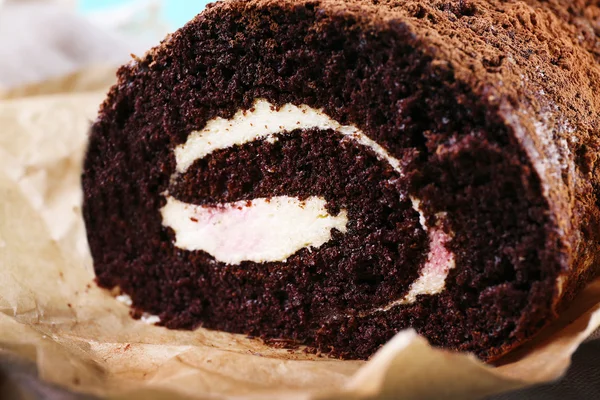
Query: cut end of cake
(318,171)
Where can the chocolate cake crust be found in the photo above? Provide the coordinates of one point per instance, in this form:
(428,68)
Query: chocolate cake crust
(489,106)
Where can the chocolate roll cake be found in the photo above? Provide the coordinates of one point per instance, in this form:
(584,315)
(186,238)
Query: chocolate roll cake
(331,172)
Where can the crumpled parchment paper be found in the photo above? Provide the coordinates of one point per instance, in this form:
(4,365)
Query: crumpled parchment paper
(53,316)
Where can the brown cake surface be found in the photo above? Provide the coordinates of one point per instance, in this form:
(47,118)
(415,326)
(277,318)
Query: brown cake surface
(424,164)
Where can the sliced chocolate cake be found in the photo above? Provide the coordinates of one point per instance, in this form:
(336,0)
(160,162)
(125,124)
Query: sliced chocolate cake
(331,172)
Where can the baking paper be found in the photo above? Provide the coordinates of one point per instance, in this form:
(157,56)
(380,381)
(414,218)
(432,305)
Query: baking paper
(78,336)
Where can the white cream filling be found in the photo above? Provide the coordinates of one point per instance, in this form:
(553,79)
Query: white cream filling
(124,299)
(432,276)
(150,319)
(265,121)
(262,230)
(272,230)
(146,318)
